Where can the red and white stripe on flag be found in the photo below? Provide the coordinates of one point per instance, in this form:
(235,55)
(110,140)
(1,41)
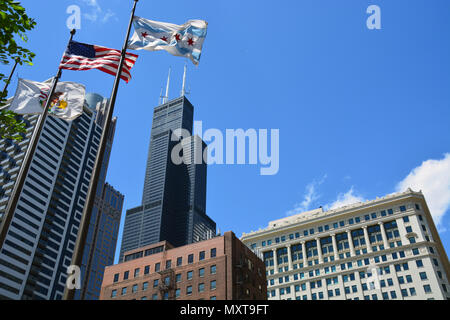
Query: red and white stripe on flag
(106,60)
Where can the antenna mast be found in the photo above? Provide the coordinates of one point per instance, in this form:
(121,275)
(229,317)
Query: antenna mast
(166,97)
(183,88)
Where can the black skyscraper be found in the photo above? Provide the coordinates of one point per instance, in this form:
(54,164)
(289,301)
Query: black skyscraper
(174,198)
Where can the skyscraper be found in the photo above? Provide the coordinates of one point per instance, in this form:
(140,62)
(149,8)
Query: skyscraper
(105,219)
(41,235)
(174,197)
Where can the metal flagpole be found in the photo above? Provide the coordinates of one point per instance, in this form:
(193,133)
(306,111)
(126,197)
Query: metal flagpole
(18,185)
(77,257)
(9,78)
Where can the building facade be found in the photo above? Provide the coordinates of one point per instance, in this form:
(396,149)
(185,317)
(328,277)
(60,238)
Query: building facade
(42,233)
(220,268)
(385,249)
(101,242)
(104,225)
(174,197)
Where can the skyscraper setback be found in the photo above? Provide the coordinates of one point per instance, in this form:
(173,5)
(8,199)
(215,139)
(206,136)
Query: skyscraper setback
(174,197)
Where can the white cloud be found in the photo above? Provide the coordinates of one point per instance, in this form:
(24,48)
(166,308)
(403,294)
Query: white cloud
(109,14)
(309,197)
(96,13)
(345,199)
(433,178)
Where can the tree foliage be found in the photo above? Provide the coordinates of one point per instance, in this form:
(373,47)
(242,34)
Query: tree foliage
(14,23)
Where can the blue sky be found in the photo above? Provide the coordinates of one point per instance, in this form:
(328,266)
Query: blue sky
(361,113)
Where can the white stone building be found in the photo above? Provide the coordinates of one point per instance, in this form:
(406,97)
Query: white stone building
(386,248)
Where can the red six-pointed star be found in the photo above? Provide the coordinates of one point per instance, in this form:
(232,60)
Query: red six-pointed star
(164,39)
(144,34)
(178,37)
(190,42)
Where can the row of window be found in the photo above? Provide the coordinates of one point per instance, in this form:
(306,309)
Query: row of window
(178,277)
(335,225)
(359,263)
(168,265)
(189,290)
(353,289)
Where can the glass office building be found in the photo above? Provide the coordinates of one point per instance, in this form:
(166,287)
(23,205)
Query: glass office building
(174,197)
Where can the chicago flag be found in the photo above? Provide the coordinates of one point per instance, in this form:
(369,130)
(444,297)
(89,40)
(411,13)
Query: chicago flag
(184,40)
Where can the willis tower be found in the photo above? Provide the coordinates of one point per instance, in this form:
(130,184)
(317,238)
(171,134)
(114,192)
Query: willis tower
(174,197)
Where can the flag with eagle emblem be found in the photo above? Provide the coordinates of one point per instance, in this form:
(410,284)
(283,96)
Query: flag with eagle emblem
(66,103)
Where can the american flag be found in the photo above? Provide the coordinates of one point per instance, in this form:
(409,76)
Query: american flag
(82,56)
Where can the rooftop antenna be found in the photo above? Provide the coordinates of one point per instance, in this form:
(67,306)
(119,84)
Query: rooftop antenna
(161,97)
(166,97)
(183,88)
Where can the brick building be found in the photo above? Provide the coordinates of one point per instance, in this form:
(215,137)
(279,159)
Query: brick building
(221,268)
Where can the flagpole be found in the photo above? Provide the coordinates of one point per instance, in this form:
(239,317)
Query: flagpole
(18,185)
(77,257)
(9,79)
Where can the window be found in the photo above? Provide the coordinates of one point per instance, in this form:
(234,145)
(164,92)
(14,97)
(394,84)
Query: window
(136,272)
(177,293)
(124,291)
(212,285)
(189,290)
(423,275)
(157,267)
(189,275)
(412,291)
(134,288)
(113,293)
(178,277)
(201,272)
(126,275)
(179,261)
(427,288)
(190,258)
(146,269)
(201,287)
(404,292)
(201,256)
(116,277)
(419,263)
(144,286)
(403,209)
(168,264)
(408,229)
(155,283)
(406,219)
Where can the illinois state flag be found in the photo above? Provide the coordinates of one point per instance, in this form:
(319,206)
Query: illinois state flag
(66,103)
(184,40)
